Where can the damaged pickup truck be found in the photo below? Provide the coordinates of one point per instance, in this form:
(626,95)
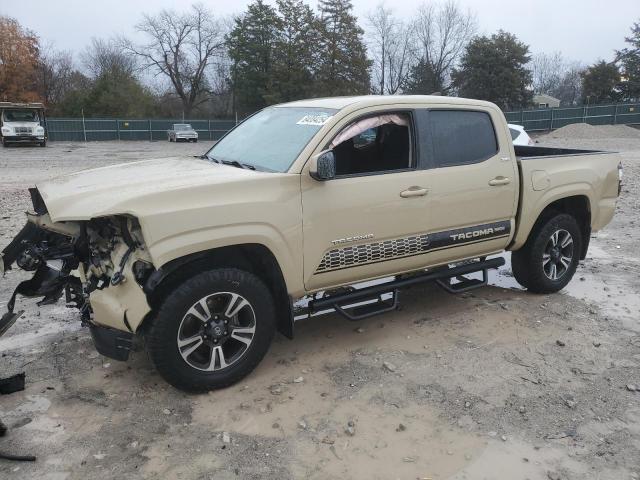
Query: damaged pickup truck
(205,258)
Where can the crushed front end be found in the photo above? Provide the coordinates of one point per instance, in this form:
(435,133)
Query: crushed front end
(99,265)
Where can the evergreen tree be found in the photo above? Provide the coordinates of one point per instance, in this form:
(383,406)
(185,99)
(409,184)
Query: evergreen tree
(600,83)
(294,51)
(343,66)
(117,93)
(629,59)
(495,69)
(251,45)
(423,80)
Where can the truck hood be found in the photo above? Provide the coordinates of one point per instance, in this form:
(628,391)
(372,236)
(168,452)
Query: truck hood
(133,187)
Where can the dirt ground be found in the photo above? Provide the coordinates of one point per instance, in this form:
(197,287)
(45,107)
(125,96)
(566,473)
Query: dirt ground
(492,384)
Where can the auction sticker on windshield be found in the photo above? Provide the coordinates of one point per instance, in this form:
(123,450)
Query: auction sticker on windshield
(317,119)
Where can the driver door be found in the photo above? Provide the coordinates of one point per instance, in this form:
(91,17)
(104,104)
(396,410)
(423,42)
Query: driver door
(365,224)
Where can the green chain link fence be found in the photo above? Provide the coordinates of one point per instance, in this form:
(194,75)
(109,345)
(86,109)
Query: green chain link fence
(552,118)
(94,129)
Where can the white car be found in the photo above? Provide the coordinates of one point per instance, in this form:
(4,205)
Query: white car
(182,131)
(519,136)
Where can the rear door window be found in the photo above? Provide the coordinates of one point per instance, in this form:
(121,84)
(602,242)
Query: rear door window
(461,137)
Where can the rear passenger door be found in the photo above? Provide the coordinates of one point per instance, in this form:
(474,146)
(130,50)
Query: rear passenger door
(473,181)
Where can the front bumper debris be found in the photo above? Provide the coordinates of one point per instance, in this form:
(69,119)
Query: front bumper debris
(28,251)
(91,262)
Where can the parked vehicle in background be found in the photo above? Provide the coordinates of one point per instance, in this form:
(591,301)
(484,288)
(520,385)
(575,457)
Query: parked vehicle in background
(182,132)
(206,257)
(519,136)
(22,123)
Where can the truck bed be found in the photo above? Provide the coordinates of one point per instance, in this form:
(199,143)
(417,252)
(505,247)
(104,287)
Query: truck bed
(548,174)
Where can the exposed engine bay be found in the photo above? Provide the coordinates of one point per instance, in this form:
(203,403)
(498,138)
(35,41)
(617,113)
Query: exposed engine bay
(81,260)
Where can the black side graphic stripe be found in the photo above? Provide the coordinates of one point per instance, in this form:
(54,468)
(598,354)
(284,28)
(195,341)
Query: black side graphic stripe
(376,252)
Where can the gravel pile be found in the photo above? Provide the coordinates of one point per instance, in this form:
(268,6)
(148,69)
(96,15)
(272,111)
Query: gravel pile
(584,130)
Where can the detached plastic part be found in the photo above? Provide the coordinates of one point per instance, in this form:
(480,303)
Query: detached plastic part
(112,343)
(8,319)
(12,384)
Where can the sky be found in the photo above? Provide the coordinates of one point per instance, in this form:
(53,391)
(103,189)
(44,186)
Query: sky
(583,30)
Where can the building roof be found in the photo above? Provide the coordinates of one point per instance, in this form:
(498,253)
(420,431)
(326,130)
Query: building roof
(546,97)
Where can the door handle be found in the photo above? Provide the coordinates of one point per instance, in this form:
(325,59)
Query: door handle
(414,191)
(496,182)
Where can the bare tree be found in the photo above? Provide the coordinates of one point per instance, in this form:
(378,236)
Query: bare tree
(547,71)
(569,89)
(391,45)
(555,76)
(220,88)
(442,32)
(181,47)
(56,73)
(107,57)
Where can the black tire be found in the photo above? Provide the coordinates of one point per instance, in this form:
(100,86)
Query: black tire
(533,265)
(43,144)
(166,328)
(5,144)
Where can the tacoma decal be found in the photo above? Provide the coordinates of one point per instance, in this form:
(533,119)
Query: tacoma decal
(355,238)
(476,233)
(381,251)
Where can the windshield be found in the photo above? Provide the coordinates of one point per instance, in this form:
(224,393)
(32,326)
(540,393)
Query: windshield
(272,138)
(179,127)
(20,116)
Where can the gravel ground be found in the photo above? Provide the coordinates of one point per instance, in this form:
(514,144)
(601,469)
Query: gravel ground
(492,384)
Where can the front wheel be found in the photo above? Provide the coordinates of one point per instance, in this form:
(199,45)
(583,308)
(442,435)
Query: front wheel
(212,330)
(548,260)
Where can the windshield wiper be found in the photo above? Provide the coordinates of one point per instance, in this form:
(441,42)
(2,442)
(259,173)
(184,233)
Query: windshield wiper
(234,163)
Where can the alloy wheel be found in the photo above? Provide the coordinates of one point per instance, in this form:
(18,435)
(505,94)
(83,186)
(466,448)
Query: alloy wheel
(216,331)
(558,254)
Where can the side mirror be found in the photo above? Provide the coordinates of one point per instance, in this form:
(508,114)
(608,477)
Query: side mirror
(323,166)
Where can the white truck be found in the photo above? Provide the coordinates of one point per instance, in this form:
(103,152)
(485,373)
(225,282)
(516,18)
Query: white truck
(22,123)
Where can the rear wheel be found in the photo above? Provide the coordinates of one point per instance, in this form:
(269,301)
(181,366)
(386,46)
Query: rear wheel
(549,259)
(212,330)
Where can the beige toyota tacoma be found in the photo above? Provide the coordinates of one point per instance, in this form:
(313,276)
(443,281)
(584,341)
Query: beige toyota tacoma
(204,258)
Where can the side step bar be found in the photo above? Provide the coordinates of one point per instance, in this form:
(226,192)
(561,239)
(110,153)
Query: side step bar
(443,277)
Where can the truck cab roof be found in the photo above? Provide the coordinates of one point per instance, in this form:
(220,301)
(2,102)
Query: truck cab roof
(363,101)
(37,106)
